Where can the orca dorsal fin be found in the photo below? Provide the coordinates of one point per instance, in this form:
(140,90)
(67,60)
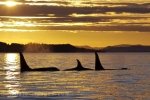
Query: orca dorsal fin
(79,65)
(98,65)
(24,66)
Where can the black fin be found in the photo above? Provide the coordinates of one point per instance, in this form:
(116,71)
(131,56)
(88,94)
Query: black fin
(98,65)
(24,66)
(79,65)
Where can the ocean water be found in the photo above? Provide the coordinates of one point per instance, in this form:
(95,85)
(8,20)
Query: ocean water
(132,84)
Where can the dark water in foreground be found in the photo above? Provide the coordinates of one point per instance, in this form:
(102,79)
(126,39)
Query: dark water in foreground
(133,84)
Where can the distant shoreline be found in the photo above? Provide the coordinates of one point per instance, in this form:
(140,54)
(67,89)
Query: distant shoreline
(68,48)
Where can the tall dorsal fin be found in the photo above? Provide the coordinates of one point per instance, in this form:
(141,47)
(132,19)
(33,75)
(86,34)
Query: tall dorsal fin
(98,65)
(24,66)
(79,65)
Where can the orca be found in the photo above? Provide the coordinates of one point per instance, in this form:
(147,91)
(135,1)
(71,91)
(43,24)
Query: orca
(98,65)
(78,68)
(24,66)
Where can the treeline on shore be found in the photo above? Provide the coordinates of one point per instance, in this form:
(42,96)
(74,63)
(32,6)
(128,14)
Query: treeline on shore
(46,48)
(34,47)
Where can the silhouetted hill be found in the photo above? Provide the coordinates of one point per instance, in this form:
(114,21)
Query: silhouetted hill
(34,47)
(126,48)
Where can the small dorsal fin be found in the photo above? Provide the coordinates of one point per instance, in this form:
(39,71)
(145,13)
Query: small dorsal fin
(24,66)
(98,65)
(79,65)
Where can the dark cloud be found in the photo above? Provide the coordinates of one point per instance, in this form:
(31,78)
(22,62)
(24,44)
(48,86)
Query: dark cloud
(137,28)
(34,10)
(123,18)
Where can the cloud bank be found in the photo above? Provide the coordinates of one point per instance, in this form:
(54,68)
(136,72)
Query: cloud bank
(89,15)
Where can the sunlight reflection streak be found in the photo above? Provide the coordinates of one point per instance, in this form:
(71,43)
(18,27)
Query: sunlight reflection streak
(12,74)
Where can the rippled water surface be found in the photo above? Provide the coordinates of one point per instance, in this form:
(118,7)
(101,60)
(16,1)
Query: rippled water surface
(133,84)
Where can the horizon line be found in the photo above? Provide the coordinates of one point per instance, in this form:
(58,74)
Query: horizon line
(73,44)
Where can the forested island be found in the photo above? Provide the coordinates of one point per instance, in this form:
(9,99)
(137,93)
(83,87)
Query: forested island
(46,48)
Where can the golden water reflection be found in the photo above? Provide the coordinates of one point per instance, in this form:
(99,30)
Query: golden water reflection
(12,74)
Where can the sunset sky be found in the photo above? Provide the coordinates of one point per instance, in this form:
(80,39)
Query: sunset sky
(97,23)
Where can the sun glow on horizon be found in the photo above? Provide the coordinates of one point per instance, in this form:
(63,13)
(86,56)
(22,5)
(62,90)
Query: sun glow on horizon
(10,3)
